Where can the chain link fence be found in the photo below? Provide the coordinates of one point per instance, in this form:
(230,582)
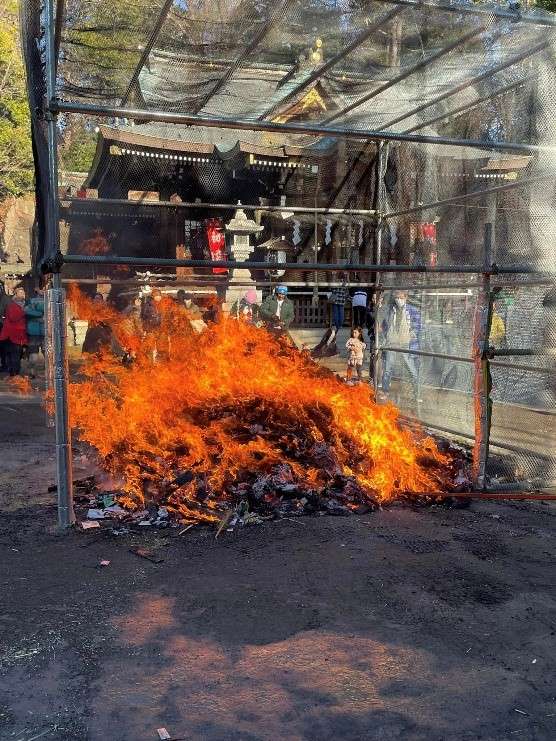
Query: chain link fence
(372,141)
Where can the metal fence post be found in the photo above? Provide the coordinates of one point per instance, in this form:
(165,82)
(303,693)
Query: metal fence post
(482,383)
(48,356)
(381,169)
(56,298)
(64,474)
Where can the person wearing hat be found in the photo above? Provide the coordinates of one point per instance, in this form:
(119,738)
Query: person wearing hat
(246,307)
(277,310)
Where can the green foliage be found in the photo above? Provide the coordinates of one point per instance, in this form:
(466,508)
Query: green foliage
(546,5)
(76,152)
(16,157)
(103,43)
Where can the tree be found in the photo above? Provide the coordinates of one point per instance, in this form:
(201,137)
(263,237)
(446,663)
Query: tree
(76,144)
(545,5)
(16,156)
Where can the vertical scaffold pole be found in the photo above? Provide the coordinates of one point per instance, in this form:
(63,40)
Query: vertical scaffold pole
(380,207)
(48,358)
(56,294)
(64,475)
(482,383)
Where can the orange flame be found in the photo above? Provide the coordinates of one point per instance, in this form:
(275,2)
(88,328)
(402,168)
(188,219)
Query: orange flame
(96,245)
(229,404)
(20,385)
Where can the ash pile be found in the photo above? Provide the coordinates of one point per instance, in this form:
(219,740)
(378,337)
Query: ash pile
(251,498)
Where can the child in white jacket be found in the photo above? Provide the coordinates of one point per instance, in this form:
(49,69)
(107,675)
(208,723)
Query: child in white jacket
(356,352)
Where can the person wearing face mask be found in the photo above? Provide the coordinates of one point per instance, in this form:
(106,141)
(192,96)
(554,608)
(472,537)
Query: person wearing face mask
(401,329)
(277,311)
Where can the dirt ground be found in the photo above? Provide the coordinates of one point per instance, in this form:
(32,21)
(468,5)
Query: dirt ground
(417,624)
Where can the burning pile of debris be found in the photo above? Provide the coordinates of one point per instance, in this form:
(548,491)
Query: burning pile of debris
(235,420)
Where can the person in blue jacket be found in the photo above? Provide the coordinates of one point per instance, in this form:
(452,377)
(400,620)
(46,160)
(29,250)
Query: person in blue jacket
(34,316)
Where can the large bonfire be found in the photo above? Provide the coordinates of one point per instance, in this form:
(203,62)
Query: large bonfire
(204,422)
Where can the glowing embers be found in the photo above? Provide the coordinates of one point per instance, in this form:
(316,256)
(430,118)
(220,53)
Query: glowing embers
(202,422)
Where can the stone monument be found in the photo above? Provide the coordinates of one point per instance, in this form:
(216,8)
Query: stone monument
(241,228)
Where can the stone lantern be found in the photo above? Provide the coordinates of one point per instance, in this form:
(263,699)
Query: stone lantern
(241,228)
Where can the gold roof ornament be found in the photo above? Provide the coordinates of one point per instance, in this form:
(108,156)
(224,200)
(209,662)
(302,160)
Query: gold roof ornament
(316,54)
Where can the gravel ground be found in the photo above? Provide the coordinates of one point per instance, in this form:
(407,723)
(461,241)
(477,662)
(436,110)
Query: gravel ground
(420,624)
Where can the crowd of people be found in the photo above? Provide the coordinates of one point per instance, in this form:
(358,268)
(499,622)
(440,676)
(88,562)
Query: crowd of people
(21,329)
(22,326)
(398,324)
(397,321)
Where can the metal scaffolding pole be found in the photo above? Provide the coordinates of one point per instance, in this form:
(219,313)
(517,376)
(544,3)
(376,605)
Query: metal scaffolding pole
(64,474)
(171,262)
(49,356)
(147,49)
(474,194)
(406,73)
(482,382)
(320,71)
(56,299)
(381,195)
(471,81)
(188,119)
(517,15)
(324,210)
(426,354)
(469,106)
(59,23)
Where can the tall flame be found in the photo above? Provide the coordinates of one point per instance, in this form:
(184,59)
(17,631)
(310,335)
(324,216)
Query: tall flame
(229,404)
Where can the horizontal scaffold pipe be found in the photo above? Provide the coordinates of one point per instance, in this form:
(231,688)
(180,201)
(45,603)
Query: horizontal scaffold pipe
(471,195)
(526,368)
(518,16)
(509,351)
(458,286)
(158,279)
(469,106)
(224,206)
(267,265)
(459,87)
(137,114)
(466,435)
(425,354)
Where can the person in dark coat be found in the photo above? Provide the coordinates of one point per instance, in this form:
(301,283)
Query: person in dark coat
(99,336)
(338,299)
(150,314)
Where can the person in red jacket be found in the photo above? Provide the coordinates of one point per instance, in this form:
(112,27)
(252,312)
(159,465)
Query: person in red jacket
(13,332)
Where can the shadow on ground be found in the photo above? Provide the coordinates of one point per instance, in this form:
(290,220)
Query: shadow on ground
(414,624)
